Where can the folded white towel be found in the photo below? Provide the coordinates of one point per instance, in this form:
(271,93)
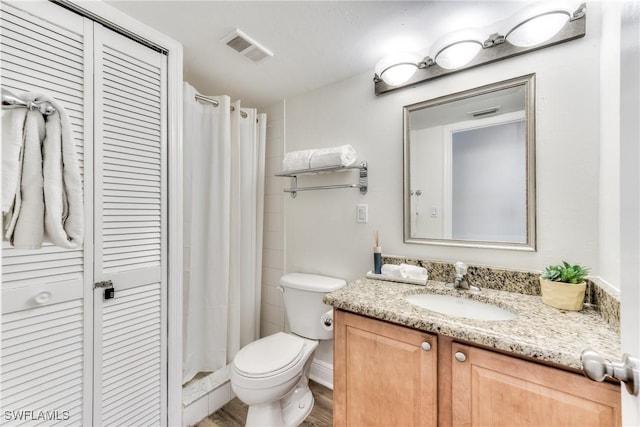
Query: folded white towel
(64,213)
(26,228)
(343,155)
(12,142)
(296,160)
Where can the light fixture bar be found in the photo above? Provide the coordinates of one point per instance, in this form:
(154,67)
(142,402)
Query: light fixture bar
(496,48)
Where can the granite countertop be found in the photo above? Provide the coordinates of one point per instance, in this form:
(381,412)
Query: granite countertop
(539,331)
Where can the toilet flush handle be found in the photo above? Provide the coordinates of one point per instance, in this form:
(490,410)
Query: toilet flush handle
(280,288)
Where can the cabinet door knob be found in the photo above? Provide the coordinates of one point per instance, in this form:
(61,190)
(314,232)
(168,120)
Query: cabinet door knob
(627,371)
(460,356)
(426,346)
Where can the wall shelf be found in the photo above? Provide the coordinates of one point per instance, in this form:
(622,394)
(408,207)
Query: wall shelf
(362,182)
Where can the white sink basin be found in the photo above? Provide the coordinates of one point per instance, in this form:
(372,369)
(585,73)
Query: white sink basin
(462,307)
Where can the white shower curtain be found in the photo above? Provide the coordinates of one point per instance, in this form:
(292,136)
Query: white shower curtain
(223,215)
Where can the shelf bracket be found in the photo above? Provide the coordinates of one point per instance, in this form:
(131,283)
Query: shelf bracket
(362,180)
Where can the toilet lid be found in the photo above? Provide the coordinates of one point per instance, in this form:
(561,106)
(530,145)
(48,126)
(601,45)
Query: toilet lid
(269,355)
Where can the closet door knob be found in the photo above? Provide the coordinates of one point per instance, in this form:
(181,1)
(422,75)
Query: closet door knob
(460,356)
(426,346)
(43,297)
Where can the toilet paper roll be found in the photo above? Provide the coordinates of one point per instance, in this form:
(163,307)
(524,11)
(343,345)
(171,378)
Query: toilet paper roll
(326,320)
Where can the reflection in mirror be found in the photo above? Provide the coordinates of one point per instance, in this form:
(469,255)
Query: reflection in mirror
(469,168)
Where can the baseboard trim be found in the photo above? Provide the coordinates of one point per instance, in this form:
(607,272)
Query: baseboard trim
(322,373)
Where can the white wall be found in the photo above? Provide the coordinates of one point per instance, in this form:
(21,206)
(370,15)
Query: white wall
(610,146)
(322,235)
(272,316)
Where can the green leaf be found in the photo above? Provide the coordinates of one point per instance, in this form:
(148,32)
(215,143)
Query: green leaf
(565,273)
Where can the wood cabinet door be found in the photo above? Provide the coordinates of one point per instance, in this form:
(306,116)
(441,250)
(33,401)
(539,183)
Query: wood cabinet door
(383,374)
(491,389)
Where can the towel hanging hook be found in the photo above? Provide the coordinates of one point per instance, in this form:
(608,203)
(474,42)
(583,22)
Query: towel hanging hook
(9,101)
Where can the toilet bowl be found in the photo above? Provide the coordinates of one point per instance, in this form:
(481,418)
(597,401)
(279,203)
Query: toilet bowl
(271,375)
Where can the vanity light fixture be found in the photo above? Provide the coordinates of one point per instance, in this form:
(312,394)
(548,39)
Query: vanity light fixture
(534,25)
(398,68)
(457,49)
(531,29)
(458,54)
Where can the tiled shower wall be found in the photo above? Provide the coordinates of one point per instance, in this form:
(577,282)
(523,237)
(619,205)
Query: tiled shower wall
(272,317)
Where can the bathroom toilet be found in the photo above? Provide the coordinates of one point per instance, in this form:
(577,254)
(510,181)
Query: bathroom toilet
(271,375)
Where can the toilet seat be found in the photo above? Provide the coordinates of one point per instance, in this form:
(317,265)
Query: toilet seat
(271,361)
(269,356)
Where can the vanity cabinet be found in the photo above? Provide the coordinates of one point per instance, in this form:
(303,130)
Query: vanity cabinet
(384,376)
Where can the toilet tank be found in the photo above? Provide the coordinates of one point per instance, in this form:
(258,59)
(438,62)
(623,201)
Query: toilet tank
(303,304)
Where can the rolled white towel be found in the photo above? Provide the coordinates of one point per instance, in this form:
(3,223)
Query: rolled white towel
(342,155)
(296,160)
(414,272)
(393,270)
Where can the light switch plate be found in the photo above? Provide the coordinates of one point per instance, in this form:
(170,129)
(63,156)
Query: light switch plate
(362,213)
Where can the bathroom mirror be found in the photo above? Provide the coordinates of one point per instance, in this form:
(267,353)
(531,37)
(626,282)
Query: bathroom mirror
(469,168)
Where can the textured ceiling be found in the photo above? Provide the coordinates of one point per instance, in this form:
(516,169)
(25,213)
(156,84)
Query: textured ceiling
(315,43)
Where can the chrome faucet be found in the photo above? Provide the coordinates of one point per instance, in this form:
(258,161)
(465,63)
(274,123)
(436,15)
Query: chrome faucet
(460,281)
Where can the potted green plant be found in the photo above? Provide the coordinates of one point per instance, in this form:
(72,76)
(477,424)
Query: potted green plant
(563,286)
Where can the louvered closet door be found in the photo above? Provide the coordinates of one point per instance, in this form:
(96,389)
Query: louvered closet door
(130,232)
(45,363)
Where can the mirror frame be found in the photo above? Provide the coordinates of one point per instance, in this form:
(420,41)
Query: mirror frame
(528,81)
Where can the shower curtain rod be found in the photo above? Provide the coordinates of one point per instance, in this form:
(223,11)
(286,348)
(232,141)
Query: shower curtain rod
(216,103)
(9,100)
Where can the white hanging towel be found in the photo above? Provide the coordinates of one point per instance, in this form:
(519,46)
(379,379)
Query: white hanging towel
(12,142)
(64,211)
(47,201)
(25,227)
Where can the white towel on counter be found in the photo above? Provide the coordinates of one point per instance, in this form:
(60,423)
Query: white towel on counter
(25,224)
(64,213)
(343,155)
(12,143)
(392,270)
(405,271)
(414,272)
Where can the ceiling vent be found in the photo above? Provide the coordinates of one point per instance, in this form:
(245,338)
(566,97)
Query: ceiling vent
(246,46)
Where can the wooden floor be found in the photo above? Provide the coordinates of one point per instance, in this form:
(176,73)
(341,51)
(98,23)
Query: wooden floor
(234,413)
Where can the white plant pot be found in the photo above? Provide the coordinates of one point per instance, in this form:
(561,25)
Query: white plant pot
(565,296)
